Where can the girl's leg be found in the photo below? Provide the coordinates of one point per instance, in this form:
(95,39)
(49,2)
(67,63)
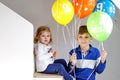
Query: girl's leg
(58,68)
(63,62)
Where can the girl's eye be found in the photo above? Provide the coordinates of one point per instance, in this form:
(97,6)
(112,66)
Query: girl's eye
(43,35)
(48,35)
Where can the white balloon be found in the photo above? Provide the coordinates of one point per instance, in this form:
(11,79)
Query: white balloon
(117,3)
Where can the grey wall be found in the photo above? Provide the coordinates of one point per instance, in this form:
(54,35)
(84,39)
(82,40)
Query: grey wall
(38,12)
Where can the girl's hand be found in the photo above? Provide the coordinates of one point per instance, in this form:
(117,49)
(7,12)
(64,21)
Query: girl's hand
(73,58)
(54,53)
(103,56)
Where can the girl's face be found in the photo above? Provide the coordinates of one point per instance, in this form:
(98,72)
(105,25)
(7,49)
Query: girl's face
(44,38)
(84,39)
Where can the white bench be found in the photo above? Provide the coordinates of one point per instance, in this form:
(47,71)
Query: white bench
(43,76)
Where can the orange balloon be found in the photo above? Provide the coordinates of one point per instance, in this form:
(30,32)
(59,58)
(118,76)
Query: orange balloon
(83,8)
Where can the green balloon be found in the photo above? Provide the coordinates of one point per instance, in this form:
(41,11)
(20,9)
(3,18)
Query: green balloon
(99,25)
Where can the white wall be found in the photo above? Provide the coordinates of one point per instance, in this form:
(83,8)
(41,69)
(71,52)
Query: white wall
(16,46)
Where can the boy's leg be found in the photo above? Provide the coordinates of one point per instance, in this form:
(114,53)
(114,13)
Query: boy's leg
(58,68)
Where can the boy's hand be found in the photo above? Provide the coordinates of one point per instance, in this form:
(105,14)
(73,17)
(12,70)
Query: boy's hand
(73,58)
(103,56)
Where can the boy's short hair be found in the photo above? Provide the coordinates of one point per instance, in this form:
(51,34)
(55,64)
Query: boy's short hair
(83,29)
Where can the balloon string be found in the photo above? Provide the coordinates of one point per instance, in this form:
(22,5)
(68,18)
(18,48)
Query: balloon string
(98,62)
(79,23)
(72,35)
(102,45)
(75,33)
(64,35)
(75,30)
(99,46)
(69,36)
(57,34)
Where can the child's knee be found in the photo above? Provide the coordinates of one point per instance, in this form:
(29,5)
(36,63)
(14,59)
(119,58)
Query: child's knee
(63,60)
(60,66)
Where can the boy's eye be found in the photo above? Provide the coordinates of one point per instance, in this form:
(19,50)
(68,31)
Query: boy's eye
(86,37)
(80,36)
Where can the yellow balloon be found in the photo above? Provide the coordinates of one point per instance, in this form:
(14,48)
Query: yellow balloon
(62,11)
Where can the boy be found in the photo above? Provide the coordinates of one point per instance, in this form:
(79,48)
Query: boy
(86,60)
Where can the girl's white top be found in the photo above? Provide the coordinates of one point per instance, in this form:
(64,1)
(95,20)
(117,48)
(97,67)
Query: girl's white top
(43,56)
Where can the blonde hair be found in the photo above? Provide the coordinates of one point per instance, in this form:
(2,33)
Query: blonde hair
(39,32)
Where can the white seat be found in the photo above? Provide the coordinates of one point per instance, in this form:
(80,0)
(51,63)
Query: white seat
(43,76)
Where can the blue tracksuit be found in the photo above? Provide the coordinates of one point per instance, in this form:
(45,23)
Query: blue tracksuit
(87,65)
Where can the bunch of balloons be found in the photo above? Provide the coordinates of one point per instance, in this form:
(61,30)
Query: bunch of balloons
(99,23)
(100,14)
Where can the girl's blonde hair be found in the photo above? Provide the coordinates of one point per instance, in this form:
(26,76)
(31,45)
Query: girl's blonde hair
(39,32)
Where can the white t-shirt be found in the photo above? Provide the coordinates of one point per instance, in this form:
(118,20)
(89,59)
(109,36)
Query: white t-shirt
(43,56)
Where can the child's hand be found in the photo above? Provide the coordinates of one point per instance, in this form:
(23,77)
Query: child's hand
(54,53)
(103,56)
(73,58)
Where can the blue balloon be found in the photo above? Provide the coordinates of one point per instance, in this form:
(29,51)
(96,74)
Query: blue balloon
(106,6)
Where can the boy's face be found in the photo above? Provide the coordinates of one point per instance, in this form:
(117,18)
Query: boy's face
(84,39)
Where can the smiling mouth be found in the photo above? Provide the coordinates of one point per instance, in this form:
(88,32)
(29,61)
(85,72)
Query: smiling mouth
(46,40)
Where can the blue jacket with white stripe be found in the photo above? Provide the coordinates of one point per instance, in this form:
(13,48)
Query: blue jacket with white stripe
(87,65)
